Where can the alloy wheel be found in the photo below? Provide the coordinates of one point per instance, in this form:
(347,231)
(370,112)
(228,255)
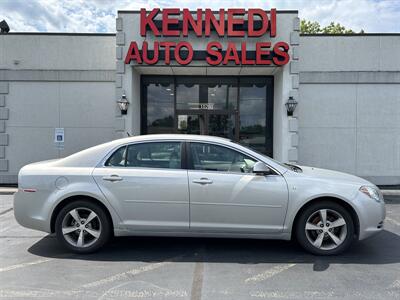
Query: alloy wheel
(326,229)
(81,227)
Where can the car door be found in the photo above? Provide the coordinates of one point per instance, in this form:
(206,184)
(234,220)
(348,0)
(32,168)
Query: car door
(225,196)
(147,186)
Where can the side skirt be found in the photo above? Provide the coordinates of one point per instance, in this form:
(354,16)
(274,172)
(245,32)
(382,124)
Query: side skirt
(272,236)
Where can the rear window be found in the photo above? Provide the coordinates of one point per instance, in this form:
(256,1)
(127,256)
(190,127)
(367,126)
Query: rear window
(165,155)
(118,158)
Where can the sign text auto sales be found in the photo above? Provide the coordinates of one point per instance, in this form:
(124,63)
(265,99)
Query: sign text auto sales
(235,23)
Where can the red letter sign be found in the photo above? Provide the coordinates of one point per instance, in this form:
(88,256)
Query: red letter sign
(133,54)
(145,53)
(218,25)
(281,53)
(215,53)
(197,25)
(148,20)
(272,29)
(166,21)
(232,21)
(264,18)
(178,54)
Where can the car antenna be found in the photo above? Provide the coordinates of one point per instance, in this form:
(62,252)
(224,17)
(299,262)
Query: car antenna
(128,134)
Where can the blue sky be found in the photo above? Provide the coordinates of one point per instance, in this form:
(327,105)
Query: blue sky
(99,15)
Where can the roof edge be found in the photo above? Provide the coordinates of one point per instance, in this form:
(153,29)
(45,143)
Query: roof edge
(59,33)
(289,11)
(352,34)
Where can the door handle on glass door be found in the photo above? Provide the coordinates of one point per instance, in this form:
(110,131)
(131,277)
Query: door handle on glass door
(203,181)
(112,178)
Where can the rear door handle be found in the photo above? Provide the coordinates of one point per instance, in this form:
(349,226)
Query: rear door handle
(112,178)
(203,181)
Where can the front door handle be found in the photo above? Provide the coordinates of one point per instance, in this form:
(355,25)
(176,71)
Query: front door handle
(112,178)
(203,181)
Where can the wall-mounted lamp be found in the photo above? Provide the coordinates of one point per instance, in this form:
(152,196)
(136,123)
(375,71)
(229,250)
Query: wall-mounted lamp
(123,104)
(4,28)
(291,106)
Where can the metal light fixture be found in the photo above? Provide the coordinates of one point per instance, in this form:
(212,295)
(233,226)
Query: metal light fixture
(4,28)
(123,104)
(291,106)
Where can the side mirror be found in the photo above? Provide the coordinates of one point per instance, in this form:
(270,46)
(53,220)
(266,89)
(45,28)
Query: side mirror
(260,168)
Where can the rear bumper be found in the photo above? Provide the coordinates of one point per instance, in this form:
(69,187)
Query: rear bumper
(30,211)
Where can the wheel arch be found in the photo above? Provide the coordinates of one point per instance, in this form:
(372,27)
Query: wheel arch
(73,198)
(339,201)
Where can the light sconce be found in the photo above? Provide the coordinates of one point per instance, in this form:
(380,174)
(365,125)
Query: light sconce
(123,104)
(291,106)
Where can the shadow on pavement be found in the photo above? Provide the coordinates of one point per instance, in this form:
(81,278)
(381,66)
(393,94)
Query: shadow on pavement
(380,249)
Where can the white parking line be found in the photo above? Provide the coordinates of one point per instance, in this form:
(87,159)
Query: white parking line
(157,291)
(269,273)
(36,262)
(292,295)
(126,274)
(395,284)
(44,293)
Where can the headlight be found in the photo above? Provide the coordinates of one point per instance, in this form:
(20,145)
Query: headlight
(371,192)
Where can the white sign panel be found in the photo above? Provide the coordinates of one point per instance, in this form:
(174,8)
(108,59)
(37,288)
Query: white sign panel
(59,137)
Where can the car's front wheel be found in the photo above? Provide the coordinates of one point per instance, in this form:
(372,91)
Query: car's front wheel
(325,228)
(82,226)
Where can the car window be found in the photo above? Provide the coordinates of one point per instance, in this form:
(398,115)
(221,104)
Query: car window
(211,157)
(117,159)
(154,155)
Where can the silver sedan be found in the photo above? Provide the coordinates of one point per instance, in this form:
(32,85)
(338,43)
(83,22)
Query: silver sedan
(197,186)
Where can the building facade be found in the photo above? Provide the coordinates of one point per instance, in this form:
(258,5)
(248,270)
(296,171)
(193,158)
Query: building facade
(189,72)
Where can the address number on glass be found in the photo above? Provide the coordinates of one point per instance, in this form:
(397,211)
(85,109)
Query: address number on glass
(202,105)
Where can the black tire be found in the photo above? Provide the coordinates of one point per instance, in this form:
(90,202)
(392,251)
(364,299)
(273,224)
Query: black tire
(300,230)
(103,220)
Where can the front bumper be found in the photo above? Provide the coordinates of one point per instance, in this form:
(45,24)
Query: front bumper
(371,215)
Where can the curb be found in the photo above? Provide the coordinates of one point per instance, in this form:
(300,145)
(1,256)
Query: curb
(391,192)
(8,191)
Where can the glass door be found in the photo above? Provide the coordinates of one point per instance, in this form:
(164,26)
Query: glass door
(191,123)
(208,122)
(222,125)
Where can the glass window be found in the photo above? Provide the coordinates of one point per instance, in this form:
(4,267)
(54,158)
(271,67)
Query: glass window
(154,155)
(160,107)
(209,93)
(253,103)
(118,158)
(210,157)
(187,95)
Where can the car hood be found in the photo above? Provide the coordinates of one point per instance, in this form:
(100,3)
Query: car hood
(333,176)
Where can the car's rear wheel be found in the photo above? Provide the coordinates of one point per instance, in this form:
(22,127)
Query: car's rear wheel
(82,226)
(325,228)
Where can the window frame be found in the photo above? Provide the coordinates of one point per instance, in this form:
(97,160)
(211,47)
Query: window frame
(115,149)
(186,159)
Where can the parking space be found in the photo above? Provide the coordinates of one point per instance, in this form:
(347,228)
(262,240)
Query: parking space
(33,265)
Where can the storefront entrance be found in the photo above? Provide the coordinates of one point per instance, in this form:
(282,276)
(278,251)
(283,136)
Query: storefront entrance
(237,108)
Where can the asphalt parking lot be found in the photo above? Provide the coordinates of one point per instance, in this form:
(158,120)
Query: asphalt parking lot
(33,265)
